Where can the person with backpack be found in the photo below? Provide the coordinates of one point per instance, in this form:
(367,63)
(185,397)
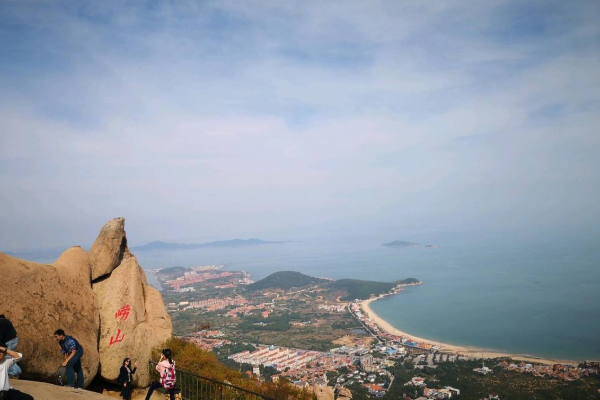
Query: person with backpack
(72,351)
(125,378)
(166,370)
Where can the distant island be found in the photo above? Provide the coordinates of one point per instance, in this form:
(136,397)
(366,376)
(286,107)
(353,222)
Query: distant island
(158,245)
(402,243)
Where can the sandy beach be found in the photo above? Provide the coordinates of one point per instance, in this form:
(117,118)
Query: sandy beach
(449,348)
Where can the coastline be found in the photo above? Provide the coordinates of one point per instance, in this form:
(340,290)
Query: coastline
(466,351)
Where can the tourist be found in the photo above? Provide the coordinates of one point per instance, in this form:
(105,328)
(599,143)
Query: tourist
(125,378)
(8,335)
(72,351)
(166,370)
(8,358)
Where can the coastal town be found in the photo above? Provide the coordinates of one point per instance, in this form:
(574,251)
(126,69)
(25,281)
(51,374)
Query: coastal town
(313,338)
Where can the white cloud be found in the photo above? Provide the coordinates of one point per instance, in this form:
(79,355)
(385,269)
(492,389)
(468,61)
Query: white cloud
(283,116)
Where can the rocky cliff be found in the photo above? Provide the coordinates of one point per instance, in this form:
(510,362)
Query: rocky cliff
(102,298)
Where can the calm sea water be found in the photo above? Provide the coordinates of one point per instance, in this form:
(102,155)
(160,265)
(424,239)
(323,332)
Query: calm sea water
(532,298)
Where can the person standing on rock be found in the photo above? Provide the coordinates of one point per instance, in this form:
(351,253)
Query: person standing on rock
(8,335)
(125,377)
(72,351)
(8,358)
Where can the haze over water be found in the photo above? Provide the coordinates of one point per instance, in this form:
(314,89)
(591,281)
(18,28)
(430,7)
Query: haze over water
(538,298)
(199,121)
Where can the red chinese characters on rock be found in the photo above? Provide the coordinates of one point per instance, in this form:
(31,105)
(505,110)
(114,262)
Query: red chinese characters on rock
(116,339)
(121,315)
(123,312)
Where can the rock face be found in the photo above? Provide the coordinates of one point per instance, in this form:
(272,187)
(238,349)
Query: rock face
(43,298)
(344,394)
(109,248)
(133,319)
(323,392)
(102,299)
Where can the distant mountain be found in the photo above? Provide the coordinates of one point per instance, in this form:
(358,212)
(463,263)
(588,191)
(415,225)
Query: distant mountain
(158,245)
(401,243)
(174,270)
(285,280)
(39,254)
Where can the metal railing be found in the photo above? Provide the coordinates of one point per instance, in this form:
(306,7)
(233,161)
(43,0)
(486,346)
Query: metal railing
(196,387)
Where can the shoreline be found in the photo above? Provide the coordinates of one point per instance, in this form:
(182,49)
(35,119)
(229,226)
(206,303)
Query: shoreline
(467,351)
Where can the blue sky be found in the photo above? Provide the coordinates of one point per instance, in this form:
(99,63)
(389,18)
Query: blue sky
(289,120)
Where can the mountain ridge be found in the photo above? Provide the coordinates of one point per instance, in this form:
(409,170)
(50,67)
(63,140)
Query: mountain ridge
(160,245)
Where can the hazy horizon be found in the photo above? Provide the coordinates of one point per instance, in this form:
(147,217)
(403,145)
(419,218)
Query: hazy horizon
(203,121)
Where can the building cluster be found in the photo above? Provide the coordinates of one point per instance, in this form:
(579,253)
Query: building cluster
(565,372)
(446,393)
(185,290)
(294,362)
(193,277)
(207,339)
(204,268)
(376,380)
(279,358)
(430,393)
(333,307)
(350,350)
(216,303)
(248,309)
(483,370)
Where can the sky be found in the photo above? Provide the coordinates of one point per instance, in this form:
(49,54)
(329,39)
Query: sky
(209,120)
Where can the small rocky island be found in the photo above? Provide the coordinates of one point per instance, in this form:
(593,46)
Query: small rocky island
(402,243)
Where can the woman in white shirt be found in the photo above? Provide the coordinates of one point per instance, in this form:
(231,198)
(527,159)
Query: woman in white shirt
(6,392)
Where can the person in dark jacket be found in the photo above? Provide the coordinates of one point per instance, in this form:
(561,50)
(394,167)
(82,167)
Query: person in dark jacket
(125,378)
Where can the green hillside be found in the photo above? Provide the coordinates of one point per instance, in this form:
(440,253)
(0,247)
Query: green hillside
(407,281)
(357,289)
(285,280)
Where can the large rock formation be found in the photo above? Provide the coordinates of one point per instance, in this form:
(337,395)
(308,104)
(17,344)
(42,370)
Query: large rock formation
(133,319)
(102,298)
(109,248)
(39,299)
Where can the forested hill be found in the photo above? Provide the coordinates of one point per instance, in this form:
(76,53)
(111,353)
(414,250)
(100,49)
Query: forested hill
(349,289)
(357,289)
(285,280)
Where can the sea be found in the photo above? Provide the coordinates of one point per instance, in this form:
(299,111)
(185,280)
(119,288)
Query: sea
(532,297)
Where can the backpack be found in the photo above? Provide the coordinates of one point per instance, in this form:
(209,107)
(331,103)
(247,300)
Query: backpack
(61,376)
(168,377)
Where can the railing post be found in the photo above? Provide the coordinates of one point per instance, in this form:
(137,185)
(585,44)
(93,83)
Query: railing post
(220,394)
